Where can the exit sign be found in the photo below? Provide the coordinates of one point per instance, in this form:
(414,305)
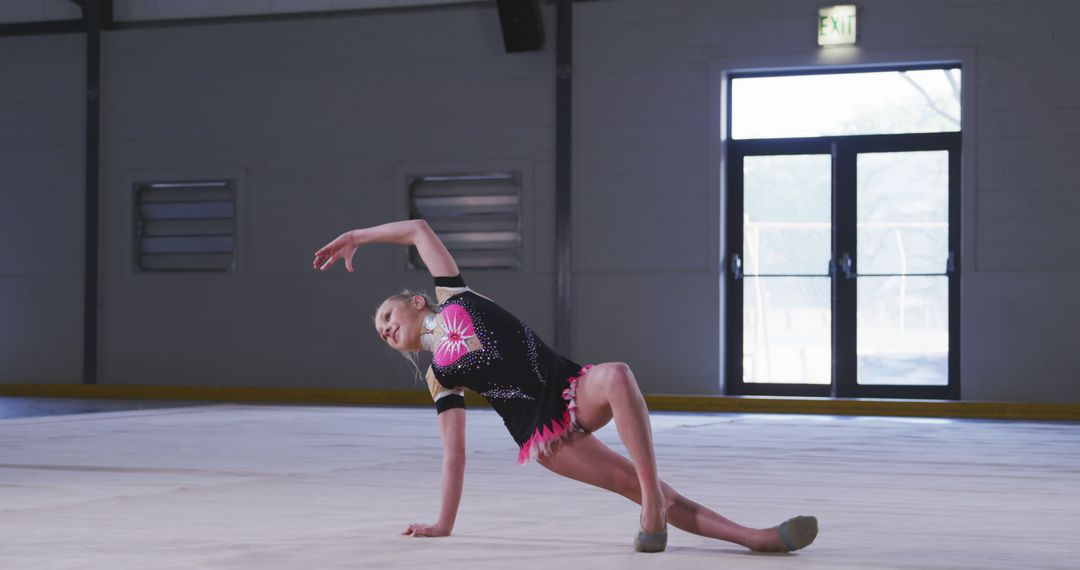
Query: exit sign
(836,26)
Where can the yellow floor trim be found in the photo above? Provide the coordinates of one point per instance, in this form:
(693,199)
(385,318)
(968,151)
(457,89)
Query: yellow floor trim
(222,394)
(725,404)
(867,407)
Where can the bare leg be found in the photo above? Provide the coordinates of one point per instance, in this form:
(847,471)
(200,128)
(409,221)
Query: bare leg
(610,390)
(587,459)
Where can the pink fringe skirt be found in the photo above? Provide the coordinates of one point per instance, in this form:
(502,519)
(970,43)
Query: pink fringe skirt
(545,438)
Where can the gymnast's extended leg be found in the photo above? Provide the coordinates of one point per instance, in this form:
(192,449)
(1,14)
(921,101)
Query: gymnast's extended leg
(587,459)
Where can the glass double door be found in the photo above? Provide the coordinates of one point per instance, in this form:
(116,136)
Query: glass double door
(841,267)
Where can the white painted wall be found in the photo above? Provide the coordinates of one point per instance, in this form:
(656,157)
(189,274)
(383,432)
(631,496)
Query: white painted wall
(316,118)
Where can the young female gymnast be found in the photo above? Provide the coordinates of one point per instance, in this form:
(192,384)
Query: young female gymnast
(549,403)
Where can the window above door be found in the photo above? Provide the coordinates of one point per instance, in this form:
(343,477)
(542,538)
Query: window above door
(898,101)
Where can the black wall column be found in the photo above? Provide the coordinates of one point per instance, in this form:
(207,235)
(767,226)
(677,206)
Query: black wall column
(563,51)
(93,17)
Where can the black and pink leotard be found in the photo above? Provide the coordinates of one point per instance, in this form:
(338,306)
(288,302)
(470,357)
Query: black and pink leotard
(493,353)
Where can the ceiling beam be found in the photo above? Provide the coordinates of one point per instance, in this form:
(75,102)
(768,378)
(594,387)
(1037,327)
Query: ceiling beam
(42,28)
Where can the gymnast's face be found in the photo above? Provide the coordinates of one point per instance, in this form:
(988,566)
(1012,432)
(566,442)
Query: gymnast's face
(399,323)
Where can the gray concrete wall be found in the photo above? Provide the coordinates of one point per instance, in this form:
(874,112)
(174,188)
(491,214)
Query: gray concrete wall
(317,119)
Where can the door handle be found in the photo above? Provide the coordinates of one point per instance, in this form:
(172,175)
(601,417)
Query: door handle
(950,265)
(845,266)
(736,266)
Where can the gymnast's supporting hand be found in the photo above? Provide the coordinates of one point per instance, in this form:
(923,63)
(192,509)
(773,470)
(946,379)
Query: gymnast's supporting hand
(419,530)
(452,433)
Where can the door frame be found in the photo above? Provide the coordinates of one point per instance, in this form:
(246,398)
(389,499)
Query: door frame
(843,150)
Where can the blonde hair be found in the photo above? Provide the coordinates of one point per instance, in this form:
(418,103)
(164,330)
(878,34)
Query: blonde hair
(405,296)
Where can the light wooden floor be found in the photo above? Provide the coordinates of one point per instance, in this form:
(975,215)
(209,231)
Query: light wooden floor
(279,487)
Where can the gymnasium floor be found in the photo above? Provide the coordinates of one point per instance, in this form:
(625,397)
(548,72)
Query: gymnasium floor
(130,485)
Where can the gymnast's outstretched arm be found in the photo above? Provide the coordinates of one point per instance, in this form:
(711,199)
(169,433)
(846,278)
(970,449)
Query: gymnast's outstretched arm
(452,431)
(406,232)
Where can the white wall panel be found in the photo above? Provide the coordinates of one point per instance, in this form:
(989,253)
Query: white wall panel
(41,208)
(23,11)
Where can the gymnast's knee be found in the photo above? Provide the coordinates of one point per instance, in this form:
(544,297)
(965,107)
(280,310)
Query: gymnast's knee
(620,379)
(613,373)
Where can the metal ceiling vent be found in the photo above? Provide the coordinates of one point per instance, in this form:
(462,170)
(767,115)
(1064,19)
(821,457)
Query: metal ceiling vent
(185,226)
(477,216)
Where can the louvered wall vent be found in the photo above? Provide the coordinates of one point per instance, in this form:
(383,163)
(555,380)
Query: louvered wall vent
(185,226)
(477,216)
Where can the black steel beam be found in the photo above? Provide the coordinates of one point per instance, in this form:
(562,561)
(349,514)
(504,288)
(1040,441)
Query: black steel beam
(291,16)
(106,11)
(42,28)
(563,178)
(92,15)
(110,23)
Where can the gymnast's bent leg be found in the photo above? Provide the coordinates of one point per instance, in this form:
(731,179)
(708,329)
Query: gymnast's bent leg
(609,391)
